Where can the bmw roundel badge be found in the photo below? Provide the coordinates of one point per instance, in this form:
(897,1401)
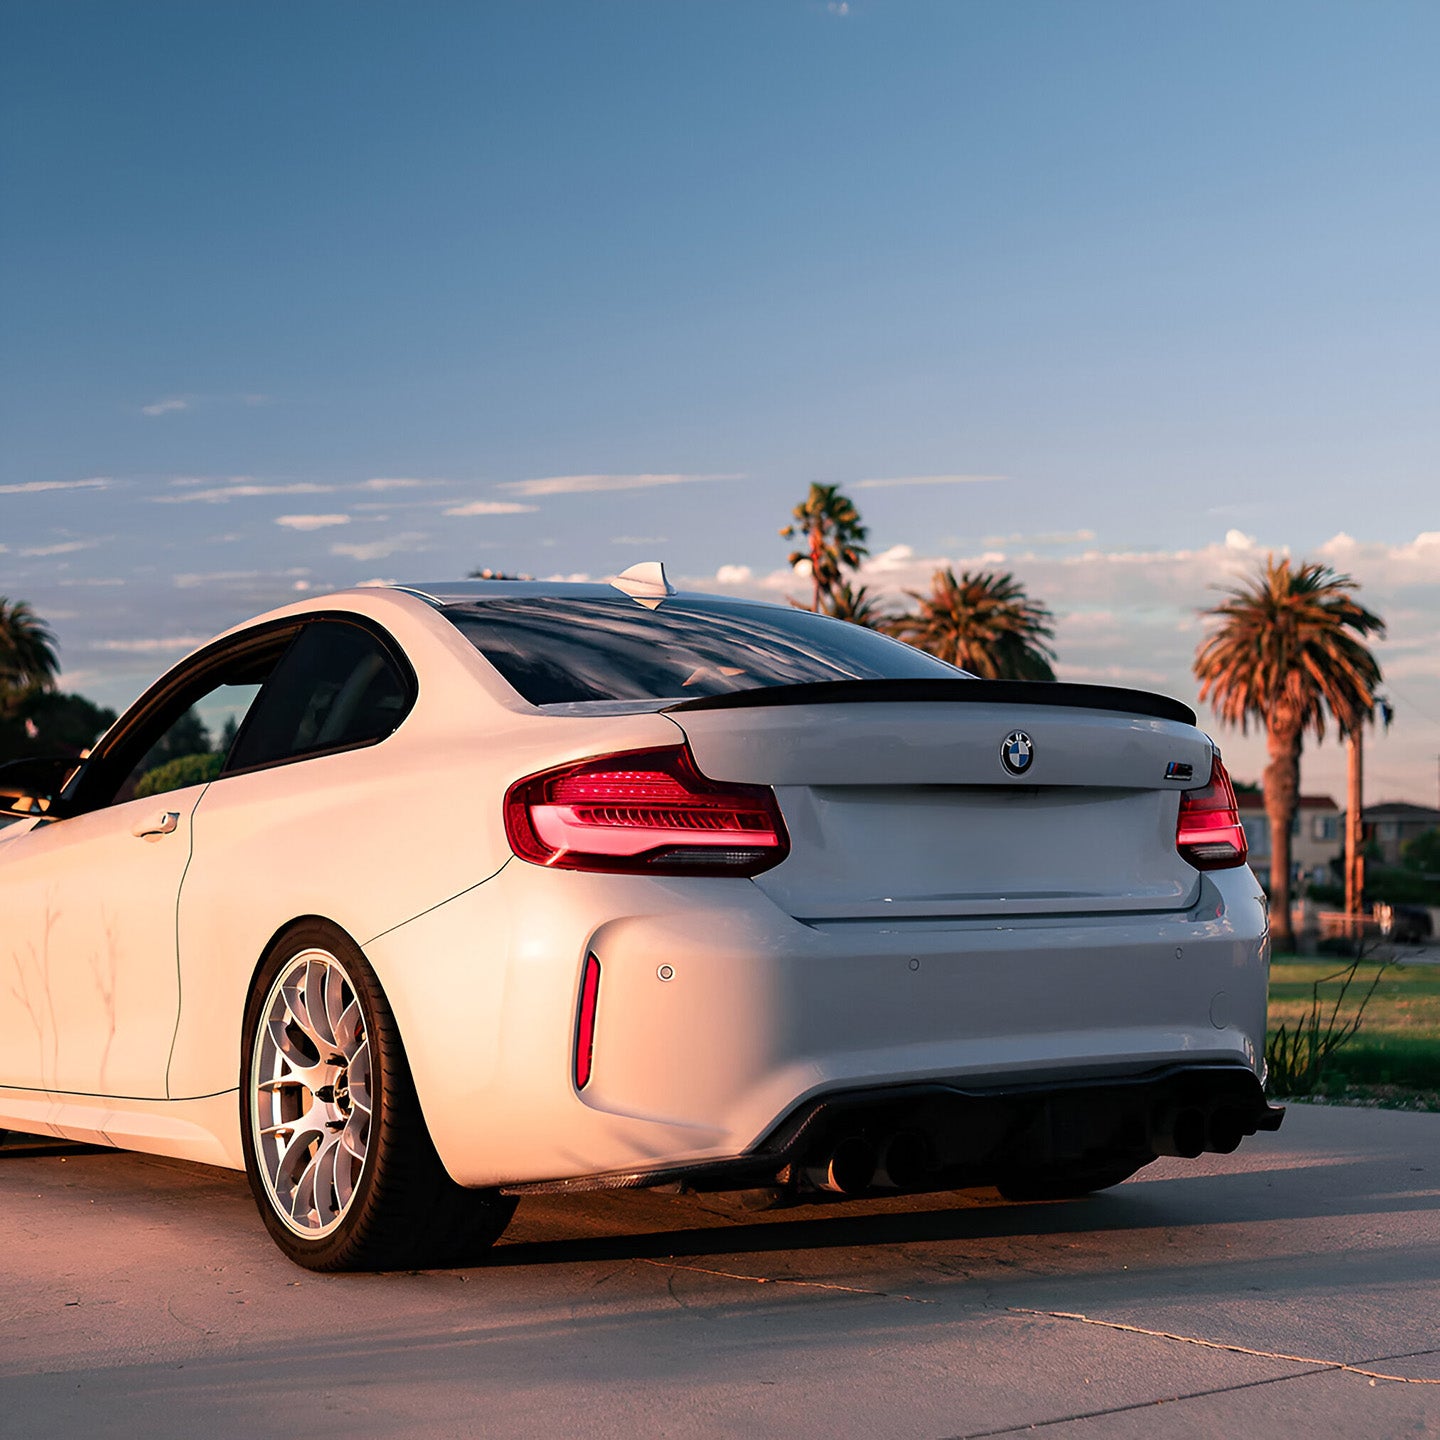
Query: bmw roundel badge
(1017,752)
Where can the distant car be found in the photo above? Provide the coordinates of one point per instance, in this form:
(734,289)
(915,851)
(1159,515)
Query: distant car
(1409,924)
(510,887)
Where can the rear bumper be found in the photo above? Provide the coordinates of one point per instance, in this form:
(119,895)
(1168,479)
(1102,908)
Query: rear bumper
(954,1133)
(761,1015)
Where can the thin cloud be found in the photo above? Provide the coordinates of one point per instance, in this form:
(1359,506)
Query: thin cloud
(217,579)
(175,404)
(379,549)
(194,580)
(1045,537)
(311,522)
(590,484)
(64,547)
(734,575)
(492,507)
(34,487)
(384,482)
(150,645)
(925,480)
(222,494)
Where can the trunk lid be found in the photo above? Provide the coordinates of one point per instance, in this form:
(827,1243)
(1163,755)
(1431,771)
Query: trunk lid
(900,805)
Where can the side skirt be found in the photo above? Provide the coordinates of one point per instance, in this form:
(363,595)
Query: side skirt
(203,1130)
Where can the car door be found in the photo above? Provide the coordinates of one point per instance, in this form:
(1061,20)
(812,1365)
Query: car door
(89,982)
(295,793)
(90,936)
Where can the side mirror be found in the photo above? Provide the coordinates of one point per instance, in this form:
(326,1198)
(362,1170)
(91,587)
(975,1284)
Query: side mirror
(30,788)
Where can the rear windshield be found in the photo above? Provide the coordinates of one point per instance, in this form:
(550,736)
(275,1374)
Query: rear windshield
(557,651)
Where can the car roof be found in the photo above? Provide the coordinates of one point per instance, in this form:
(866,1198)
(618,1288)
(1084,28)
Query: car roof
(458,592)
(645,582)
(451,592)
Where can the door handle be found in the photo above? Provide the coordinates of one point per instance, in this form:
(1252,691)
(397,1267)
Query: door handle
(161,824)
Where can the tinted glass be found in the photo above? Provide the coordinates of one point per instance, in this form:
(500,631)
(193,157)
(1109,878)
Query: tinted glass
(177,734)
(191,751)
(558,650)
(335,686)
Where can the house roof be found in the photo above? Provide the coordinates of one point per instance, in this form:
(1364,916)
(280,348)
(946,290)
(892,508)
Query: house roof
(1402,810)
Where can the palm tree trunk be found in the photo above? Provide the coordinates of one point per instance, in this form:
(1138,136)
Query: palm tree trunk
(1354,823)
(817,541)
(1282,796)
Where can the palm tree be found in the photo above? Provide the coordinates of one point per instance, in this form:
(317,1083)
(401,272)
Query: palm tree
(829,524)
(27,653)
(1289,650)
(983,623)
(1355,804)
(856,604)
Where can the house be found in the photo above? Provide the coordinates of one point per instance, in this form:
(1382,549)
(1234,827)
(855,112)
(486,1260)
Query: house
(1317,836)
(1389,827)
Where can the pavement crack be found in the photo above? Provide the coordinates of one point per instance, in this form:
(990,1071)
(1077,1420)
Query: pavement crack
(170,1311)
(1029,1425)
(612,1274)
(782,1280)
(1314,1360)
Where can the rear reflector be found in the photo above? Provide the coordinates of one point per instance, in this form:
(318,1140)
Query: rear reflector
(1208,833)
(644,812)
(585,1029)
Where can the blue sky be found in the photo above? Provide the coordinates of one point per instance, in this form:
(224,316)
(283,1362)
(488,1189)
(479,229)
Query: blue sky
(1142,291)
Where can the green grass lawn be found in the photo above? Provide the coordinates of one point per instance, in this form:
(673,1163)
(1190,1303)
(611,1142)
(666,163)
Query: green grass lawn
(1395,1055)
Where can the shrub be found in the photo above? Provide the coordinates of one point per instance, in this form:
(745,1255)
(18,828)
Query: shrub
(1299,1058)
(176,774)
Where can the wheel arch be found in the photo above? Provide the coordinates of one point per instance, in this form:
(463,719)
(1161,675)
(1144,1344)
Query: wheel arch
(378,1195)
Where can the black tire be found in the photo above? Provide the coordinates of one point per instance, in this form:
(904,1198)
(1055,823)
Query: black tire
(379,1197)
(1068,1182)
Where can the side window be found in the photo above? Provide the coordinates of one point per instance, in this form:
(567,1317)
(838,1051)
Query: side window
(181,731)
(335,687)
(193,748)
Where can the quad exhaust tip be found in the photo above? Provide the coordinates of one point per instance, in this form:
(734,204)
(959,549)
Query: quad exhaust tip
(1190,1132)
(855,1166)
(904,1160)
(850,1169)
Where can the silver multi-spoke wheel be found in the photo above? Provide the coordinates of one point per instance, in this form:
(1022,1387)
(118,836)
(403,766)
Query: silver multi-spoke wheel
(338,1155)
(311,1093)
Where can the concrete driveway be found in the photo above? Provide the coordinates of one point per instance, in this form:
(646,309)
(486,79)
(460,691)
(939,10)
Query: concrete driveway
(1215,1298)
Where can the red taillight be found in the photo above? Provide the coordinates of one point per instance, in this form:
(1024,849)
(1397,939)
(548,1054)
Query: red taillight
(1208,833)
(585,1030)
(644,812)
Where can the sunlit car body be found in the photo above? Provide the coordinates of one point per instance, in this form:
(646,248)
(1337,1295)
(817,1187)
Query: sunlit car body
(574,886)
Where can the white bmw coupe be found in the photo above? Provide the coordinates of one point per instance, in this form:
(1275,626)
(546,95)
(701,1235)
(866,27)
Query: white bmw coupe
(506,887)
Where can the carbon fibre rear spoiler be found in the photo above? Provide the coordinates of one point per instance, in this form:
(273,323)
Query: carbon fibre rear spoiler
(977,692)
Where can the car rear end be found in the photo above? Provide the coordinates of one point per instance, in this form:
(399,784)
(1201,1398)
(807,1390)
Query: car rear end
(860,932)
